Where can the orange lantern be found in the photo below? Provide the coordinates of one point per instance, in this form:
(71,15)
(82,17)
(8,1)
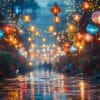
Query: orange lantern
(29,39)
(76,17)
(43,39)
(8,29)
(88,37)
(55,9)
(51,29)
(32,28)
(71,28)
(80,36)
(56,19)
(26,18)
(86,5)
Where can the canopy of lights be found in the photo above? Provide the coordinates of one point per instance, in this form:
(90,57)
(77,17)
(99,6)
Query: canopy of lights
(44,30)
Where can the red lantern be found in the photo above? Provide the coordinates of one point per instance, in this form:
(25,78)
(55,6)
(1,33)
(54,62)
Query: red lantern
(55,9)
(8,29)
(80,36)
(86,5)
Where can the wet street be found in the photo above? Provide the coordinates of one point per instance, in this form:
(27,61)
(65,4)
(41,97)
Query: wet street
(45,85)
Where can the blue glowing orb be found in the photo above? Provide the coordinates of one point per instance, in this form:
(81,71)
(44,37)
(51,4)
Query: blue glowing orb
(92,29)
(73,49)
(17,10)
(1,34)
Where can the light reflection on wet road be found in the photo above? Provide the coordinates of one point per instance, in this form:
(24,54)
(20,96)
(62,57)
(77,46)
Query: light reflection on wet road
(41,85)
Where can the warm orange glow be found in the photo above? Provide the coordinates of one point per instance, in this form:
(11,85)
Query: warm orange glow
(80,36)
(26,18)
(29,39)
(8,29)
(32,28)
(56,19)
(55,9)
(37,33)
(76,17)
(86,5)
(88,37)
(51,29)
(71,28)
(43,39)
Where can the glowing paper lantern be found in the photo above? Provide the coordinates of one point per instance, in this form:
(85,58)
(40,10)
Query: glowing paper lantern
(32,28)
(51,29)
(80,36)
(76,17)
(43,39)
(1,34)
(96,17)
(8,29)
(71,28)
(86,5)
(26,18)
(56,19)
(55,9)
(88,37)
(17,10)
(37,33)
(92,29)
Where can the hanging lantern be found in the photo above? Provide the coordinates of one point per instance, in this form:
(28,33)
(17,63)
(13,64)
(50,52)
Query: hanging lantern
(55,9)
(86,5)
(66,46)
(37,33)
(96,17)
(51,29)
(88,37)
(29,39)
(79,36)
(32,28)
(92,29)
(56,19)
(76,17)
(71,28)
(17,10)
(26,18)
(43,39)
(8,29)
(1,34)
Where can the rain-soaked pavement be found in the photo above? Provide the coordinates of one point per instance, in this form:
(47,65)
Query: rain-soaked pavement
(43,85)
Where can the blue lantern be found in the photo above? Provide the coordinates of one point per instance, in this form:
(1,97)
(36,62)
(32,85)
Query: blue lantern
(17,10)
(73,49)
(1,34)
(92,29)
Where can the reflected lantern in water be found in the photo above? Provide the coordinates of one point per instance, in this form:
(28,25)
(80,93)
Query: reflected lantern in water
(92,29)
(1,34)
(56,19)
(55,9)
(96,17)
(26,18)
(8,29)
